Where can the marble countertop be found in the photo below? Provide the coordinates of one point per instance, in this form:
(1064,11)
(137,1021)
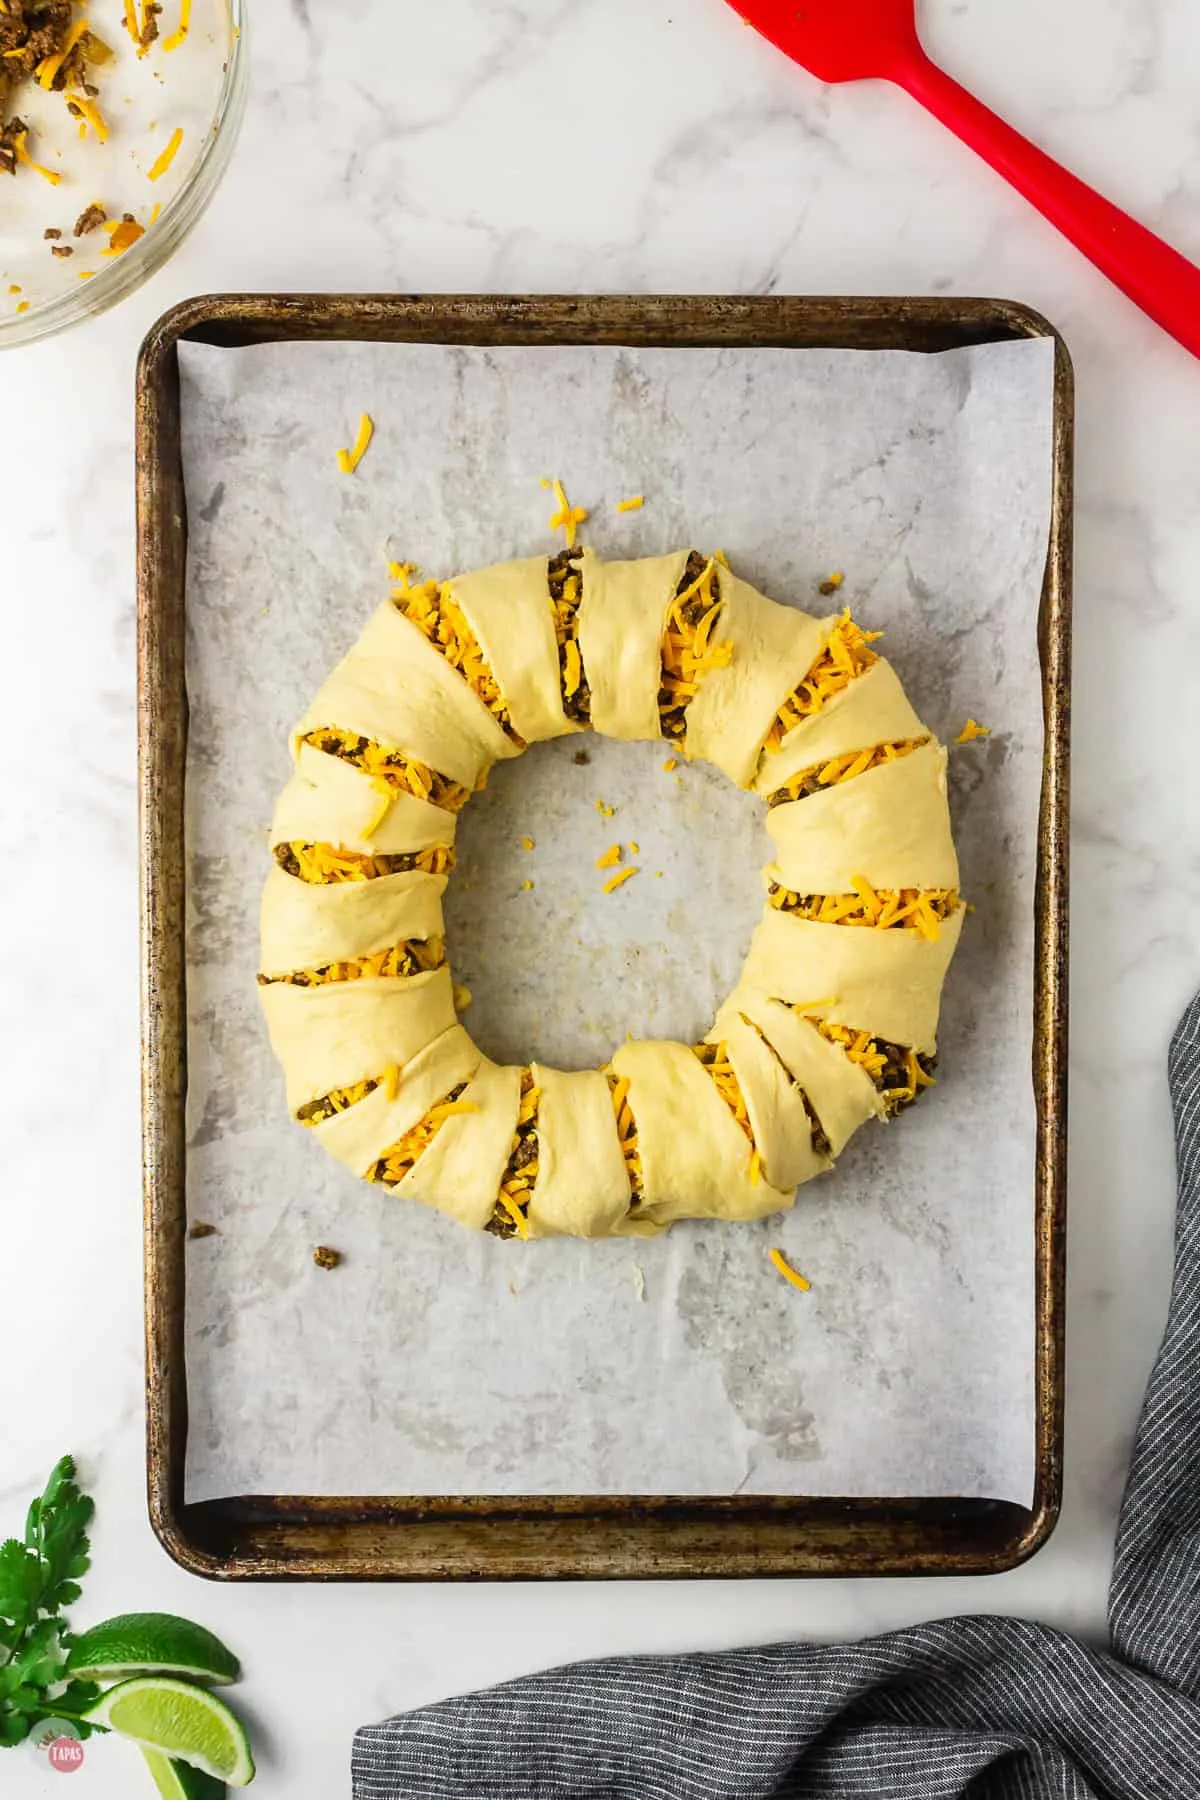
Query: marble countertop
(581,145)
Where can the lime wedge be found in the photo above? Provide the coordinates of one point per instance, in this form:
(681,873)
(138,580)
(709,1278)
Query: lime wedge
(175,1781)
(185,1722)
(151,1644)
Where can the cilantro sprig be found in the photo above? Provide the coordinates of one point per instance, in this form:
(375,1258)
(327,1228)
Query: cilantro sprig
(39,1578)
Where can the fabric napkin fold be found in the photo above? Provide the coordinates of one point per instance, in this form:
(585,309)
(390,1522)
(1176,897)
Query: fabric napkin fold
(983,1708)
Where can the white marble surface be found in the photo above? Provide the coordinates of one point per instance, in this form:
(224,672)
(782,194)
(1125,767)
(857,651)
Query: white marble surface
(583,144)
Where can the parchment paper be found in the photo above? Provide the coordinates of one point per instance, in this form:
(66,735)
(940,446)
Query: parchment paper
(436,1361)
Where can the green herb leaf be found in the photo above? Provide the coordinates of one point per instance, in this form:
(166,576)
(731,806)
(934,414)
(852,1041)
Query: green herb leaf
(38,1578)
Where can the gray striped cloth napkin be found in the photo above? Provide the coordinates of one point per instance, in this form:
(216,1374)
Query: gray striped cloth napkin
(982,1708)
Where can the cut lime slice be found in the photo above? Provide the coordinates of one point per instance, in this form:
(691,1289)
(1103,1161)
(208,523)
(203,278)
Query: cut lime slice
(175,1781)
(185,1722)
(151,1644)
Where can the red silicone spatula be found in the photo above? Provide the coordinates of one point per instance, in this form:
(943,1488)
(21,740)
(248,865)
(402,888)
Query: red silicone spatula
(857,40)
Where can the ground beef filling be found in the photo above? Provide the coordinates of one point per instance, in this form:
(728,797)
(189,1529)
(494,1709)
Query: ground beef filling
(845,655)
(627,1136)
(438,616)
(416,956)
(315,1112)
(44,40)
(322,864)
(521,1170)
(901,1075)
(566,591)
(688,650)
(403,773)
(885,909)
(843,768)
(395,1164)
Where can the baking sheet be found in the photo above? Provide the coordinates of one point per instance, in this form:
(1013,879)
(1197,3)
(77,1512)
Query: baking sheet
(435,1361)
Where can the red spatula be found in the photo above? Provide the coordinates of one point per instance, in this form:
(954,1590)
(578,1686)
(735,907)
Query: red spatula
(857,40)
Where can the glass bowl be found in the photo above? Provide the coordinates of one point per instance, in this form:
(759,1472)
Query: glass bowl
(198,87)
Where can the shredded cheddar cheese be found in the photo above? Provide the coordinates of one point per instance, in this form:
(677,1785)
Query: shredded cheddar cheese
(971,731)
(627,1135)
(568,518)
(404,773)
(122,236)
(843,768)
(49,66)
(416,956)
(845,655)
(322,864)
(527,843)
(688,653)
(521,1170)
(396,1162)
(21,152)
(611,857)
(615,881)
(433,609)
(180,32)
(566,592)
(899,1073)
(671,763)
(888,909)
(166,156)
(634,503)
(780,1262)
(315,1112)
(605,810)
(715,1059)
(348,460)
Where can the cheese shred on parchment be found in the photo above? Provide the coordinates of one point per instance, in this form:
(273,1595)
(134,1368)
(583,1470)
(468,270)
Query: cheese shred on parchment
(845,655)
(616,881)
(634,503)
(780,1262)
(971,731)
(348,460)
(568,518)
(394,1164)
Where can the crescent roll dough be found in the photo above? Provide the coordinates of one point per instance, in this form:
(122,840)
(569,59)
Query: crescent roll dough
(359,1136)
(508,609)
(888,983)
(830,1024)
(582,1187)
(307,925)
(461,1170)
(621,620)
(773,649)
(329,801)
(397,688)
(890,826)
(695,1157)
(345,1032)
(874,709)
